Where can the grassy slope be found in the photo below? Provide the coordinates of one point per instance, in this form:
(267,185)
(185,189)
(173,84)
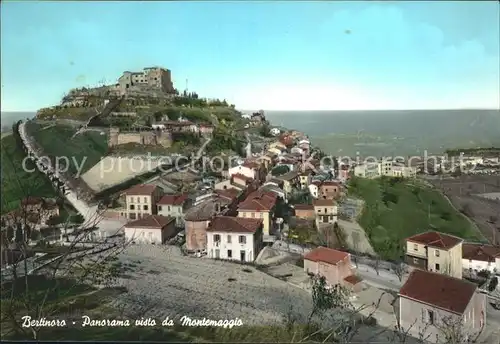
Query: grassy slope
(17,183)
(398,209)
(57,141)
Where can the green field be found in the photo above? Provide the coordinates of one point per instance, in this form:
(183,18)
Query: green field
(396,209)
(16,182)
(86,148)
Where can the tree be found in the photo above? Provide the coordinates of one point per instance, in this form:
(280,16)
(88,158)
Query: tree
(325,297)
(493,284)
(10,233)
(265,130)
(375,263)
(54,220)
(78,219)
(400,270)
(280,170)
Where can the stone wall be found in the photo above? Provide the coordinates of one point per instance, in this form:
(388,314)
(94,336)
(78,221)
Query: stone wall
(163,138)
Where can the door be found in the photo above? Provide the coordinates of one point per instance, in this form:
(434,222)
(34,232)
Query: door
(242,256)
(217,253)
(325,219)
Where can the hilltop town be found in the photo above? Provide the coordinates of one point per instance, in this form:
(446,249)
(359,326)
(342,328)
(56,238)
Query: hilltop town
(257,234)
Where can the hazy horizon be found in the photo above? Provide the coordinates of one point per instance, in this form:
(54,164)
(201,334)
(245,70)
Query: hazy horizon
(281,56)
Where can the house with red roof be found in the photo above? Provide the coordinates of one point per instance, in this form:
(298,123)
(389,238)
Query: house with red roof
(436,252)
(151,229)
(173,206)
(260,205)
(234,238)
(434,306)
(480,257)
(332,264)
(141,200)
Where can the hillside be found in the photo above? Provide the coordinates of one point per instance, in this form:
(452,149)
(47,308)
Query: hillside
(396,209)
(17,183)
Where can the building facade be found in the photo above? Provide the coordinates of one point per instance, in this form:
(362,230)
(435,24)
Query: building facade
(436,252)
(234,238)
(436,307)
(141,200)
(152,77)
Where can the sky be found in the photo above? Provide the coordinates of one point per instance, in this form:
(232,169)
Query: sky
(260,55)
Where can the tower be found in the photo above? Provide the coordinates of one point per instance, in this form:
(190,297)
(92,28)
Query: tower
(113,136)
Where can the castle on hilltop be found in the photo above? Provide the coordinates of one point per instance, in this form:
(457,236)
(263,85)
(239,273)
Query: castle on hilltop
(150,80)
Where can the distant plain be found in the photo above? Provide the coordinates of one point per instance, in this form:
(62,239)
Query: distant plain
(393,133)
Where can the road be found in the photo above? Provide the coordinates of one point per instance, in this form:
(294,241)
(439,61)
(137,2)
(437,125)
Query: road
(91,213)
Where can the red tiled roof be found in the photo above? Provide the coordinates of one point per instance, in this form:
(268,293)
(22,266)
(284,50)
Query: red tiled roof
(480,252)
(353,279)
(436,239)
(326,255)
(173,199)
(251,164)
(242,177)
(323,202)
(234,224)
(330,183)
(438,290)
(151,221)
(259,201)
(231,193)
(141,189)
(303,207)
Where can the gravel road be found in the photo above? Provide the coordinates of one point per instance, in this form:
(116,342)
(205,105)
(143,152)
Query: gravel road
(166,283)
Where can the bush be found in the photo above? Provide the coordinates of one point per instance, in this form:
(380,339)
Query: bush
(78,218)
(54,220)
(280,170)
(493,284)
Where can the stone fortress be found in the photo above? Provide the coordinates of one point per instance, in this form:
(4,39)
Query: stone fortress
(143,137)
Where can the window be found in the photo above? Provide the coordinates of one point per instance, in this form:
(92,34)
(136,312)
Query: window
(253,214)
(261,215)
(145,200)
(132,216)
(415,261)
(436,253)
(216,237)
(131,199)
(430,317)
(132,207)
(145,207)
(230,253)
(326,210)
(168,208)
(437,267)
(159,208)
(415,247)
(242,239)
(228,239)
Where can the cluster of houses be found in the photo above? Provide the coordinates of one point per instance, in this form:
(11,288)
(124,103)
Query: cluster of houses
(385,167)
(239,213)
(182,125)
(434,295)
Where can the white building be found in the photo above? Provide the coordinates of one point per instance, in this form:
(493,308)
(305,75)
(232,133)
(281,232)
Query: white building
(158,126)
(479,257)
(314,189)
(369,170)
(153,229)
(234,238)
(173,206)
(384,168)
(247,170)
(275,131)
